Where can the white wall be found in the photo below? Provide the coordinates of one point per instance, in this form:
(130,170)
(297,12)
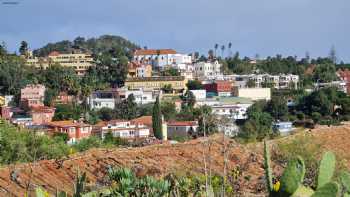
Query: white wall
(199,94)
(255,93)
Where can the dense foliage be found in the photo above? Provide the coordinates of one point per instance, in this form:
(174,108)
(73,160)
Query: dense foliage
(103,44)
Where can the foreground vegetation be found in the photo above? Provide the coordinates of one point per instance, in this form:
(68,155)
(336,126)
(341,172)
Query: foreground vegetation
(19,145)
(292,179)
(122,182)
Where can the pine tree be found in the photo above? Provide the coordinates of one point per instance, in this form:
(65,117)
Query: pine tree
(157,120)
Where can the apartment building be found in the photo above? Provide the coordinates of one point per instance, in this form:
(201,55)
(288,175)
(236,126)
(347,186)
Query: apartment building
(207,70)
(282,81)
(80,62)
(178,83)
(159,58)
(32,96)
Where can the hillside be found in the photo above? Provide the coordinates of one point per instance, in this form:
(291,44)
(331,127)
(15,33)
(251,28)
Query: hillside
(105,43)
(159,160)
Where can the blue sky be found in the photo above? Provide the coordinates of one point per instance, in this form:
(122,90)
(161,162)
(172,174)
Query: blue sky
(264,27)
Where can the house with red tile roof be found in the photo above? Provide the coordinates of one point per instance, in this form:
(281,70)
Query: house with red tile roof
(127,129)
(75,130)
(159,58)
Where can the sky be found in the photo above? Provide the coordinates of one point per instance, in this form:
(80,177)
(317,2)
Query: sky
(264,27)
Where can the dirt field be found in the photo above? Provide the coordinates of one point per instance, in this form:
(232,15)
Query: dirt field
(158,160)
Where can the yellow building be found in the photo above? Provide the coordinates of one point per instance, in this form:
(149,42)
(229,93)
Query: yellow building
(79,61)
(178,83)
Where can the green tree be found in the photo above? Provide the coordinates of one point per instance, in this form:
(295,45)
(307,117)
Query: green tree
(167,88)
(106,114)
(325,73)
(251,83)
(127,109)
(188,100)
(194,85)
(168,109)
(277,107)
(23,49)
(157,119)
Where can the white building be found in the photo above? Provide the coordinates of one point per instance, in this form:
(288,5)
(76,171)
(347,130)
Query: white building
(282,81)
(141,96)
(124,129)
(340,85)
(161,57)
(181,128)
(231,107)
(103,99)
(253,93)
(186,70)
(199,94)
(205,70)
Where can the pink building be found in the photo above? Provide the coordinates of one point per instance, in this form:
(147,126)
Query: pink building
(42,115)
(75,130)
(32,96)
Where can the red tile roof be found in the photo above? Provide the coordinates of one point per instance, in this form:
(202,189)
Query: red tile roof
(154,51)
(146,120)
(66,123)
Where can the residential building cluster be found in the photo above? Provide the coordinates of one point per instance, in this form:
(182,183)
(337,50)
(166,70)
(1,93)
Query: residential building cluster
(229,96)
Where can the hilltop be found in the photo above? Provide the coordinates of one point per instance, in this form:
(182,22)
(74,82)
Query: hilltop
(104,43)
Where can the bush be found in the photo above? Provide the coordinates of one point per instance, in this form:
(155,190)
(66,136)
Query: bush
(300,115)
(316,117)
(87,143)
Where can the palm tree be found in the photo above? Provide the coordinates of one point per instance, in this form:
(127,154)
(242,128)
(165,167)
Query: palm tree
(216,48)
(229,47)
(222,51)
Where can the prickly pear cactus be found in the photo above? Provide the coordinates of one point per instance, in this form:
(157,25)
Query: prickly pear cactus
(326,169)
(330,189)
(345,182)
(292,177)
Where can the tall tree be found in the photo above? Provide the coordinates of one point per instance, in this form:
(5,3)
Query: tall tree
(216,46)
(229,49)
(277,107)
(333,55)
(222,51)
(23,49)
(157,120)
